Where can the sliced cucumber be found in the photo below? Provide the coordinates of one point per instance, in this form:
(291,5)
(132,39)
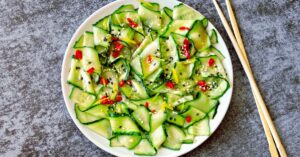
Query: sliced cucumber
(74,77)
(176,119)
(174,27)
(87,84)
(217,86)
(157,120)
(78,43)
(123,126)
(101,37)
(169,54)
(112,78)
(182,11)
(213,36)
(143,45)
(216,69)
(203,103)
(114,142)
(212,113)
(200,128)
(189,138)
(121,108)
(125,8)
(124,18)
(101,127)
(122,68)
(88,39)
(85,118)
(103,23)
(157,137)
(149,65)
(83,99)
(142,117)
(129,141)
(166,19)
(150,18)
(90,59)
(100,111)
(154,76)
(144,148)
(135,91)
(175,137)
(184,69)
(199,36)
(194,114)
(136,66)
(168,11)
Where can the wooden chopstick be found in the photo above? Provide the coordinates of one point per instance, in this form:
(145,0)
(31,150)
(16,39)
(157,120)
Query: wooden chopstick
(234,24)
(255,90)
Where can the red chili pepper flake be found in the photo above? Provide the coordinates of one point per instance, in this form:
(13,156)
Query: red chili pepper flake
(118,46)
(91,70)
(104,100)
(188,119)
(119,98)
(149,59)
(186,48)
(103,81)
(78,54)
(211,62)
(110,102)
(186,44)
(170,84)
(182,28)
(132,23)
(187,54)
(201,83)
(115,54)
(114,39)
(153,111)
(146,104)
(138,44)
(122,83)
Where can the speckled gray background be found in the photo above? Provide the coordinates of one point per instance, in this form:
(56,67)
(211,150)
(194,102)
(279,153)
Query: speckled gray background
(35,122)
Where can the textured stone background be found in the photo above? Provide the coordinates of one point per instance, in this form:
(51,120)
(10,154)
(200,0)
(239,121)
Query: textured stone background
(35,33)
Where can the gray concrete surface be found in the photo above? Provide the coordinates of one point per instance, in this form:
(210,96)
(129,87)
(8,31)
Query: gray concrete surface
(35,122)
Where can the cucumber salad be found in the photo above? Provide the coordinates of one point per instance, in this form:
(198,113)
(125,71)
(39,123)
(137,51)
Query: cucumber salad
(148,77)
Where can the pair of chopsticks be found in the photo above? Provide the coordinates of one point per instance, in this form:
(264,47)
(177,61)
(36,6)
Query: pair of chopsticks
(269,128)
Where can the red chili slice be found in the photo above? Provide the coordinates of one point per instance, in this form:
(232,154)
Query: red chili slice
(170,84)
(182,28)
(186,44)
(132,23)
(114,39)
(104,100)
(119,98)
(188,119)
(103,81)
(146,104)
(122,83)
(78,54)
(201,83)
(91,70)
(118,46)
(116,54)
(211,62)
(149,59)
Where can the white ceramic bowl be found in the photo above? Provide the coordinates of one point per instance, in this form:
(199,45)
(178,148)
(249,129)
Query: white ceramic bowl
(104,143)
